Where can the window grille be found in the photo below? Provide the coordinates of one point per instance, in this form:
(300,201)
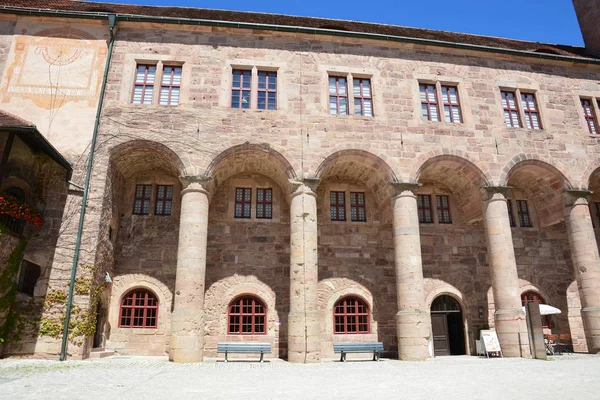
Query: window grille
(511,109)
(264,203)
(351,316)
(243,201)
(139,309)
(142,199)
(532,116)
(358,207)
(429,102)
(442,205)
(337,206)
(164,200)
(240,88)
(362,97)
(451,104)
(590,116)
(267,90)
(170,86)
(247,316)
(144,84)
(338,95)
(523,213)
(424,209)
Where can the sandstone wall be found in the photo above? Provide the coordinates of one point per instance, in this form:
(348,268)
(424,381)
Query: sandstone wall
(301,139)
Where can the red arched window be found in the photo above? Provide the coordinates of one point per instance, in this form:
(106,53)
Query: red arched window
(351,316)
(139,309)
(247,316)
(533,297)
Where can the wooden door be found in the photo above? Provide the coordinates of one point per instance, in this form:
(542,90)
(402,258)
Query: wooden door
(441,343)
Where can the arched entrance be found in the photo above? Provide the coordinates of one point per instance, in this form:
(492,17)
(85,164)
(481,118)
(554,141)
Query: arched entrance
(447,326)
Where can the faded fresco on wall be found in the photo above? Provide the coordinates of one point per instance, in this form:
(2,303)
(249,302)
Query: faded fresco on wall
(54,67)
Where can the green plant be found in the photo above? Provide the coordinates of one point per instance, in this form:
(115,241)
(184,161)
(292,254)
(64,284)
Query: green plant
(83,284)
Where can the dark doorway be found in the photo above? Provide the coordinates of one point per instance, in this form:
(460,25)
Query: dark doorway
(447,326)
(99,334)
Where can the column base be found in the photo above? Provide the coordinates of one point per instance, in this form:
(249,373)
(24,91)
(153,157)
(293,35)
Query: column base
(511,328)
(591,326)
(412,327)
(186,356)
(304,332)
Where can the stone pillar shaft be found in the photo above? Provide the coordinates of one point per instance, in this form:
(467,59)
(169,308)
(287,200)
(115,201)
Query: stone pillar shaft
(303,320)
(412,318)
(187,319)
(586,261)
(509,316)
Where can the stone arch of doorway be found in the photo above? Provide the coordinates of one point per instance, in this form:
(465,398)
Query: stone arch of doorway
(449,325)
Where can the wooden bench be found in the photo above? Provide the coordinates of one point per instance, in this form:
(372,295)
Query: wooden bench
(359,347)
(243,348)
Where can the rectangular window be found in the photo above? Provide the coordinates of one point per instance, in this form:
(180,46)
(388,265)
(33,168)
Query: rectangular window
(362,97)
(590,116)
(357,207)
(243,200)
(424,208)
(240,88)
(429,103)
(170,86)
(141,206)
(511,217)
(264,203)
(144,84)
(164,200)
(442,205)
(523,213)
(451,104)
(337,206)
(338,95)
(532,116)
(511,110)
(267,90)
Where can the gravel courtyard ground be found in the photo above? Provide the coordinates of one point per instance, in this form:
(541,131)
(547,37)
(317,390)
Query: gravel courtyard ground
(563,377)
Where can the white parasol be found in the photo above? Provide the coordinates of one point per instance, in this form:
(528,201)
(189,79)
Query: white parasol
(545,309)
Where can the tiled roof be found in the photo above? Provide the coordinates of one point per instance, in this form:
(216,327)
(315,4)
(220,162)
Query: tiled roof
(8,120)
(295,21)
(29,134)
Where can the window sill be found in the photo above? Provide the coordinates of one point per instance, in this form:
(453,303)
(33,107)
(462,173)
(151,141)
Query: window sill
(352,116)
(138,331)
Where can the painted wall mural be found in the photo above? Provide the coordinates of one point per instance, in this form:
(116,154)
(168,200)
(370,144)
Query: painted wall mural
(55,66)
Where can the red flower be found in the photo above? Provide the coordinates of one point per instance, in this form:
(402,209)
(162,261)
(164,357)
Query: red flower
(10,205)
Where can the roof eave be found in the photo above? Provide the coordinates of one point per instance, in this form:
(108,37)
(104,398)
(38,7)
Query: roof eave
(297,29)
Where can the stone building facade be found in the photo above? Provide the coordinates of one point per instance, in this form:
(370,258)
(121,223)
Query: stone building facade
(303,182)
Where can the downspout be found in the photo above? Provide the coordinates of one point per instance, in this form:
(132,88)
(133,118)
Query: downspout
(112,21)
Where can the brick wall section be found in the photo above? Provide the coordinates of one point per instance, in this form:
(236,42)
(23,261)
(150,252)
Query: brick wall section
(188,138)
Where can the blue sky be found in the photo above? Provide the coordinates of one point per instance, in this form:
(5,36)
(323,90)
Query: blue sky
(550,21)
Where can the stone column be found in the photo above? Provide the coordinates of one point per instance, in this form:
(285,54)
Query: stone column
(509,317)
(412,319)
(187,319)
(586,261)
(303,320)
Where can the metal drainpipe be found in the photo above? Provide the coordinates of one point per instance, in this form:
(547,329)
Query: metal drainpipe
(112,21)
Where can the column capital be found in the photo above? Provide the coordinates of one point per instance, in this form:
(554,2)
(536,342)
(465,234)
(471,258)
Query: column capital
(492,191)
(304,186)
(195,183)
(497,189)
(576,194)
(401,187)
